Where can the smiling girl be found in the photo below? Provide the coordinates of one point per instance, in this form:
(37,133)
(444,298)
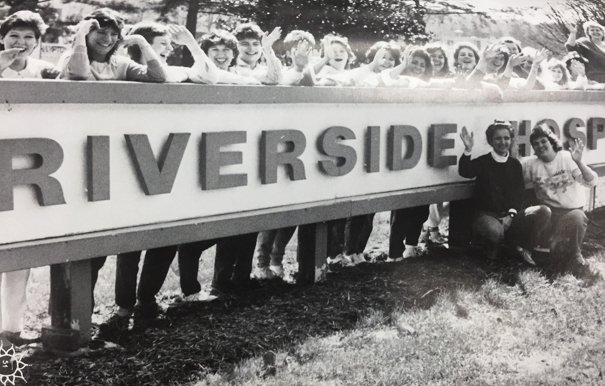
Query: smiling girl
(337,56)
(93,56)
(20,35)
(161,38)
(591,47)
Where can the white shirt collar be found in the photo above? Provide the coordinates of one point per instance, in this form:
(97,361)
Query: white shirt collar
(499,158)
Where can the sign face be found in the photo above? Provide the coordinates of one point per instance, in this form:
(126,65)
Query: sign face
(70,169)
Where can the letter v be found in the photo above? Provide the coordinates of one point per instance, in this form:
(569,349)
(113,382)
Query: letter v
(157,177)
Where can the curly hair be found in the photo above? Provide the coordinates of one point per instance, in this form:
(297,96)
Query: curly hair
(460,47)
(589,24)
(295,36)
(248,31)
(544,131)
(420,52)
(344,42)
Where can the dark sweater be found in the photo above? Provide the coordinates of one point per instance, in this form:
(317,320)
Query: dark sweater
(499,186)
(595,68)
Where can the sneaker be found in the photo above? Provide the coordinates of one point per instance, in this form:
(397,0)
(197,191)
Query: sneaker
(115,324)
(337,260)
(220,294)
(541,249)
(412,252)
(278,270)
(394,259)
(358,258)
(526,256)
(348,261)
(265,273)
(201,296)
(437,238)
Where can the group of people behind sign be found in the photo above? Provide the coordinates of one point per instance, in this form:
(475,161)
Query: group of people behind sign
(101,51)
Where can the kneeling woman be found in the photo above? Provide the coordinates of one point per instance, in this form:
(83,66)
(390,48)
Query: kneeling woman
(499,190)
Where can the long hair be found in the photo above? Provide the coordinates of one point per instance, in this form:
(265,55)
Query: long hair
(459,47)
(564,81)
(421,53)
(107,18)
(433,48)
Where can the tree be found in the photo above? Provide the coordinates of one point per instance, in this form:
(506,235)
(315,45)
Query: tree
(574,12)
(363,22)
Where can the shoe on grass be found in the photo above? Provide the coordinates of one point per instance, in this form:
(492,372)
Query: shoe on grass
(412,251)
(278,270)
(147,311)
(526,256)
(265,273)
(116,323)
(394,259)
(339,259)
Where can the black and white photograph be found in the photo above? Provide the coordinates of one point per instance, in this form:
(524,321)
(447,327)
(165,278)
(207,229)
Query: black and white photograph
(284,192)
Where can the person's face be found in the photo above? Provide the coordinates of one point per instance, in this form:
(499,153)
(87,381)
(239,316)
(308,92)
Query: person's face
(556,73)
(221,55)
(23,38)
(497,62)
(438,60)
(387,62)
(341,57)
(250,50)
(101,41)
(543,148)
(512,48)
(501,141)
(466,59)
(162,45)
(417,67)
(595,33)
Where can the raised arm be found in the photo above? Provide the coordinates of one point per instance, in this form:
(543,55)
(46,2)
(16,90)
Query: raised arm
(533,72)
(205,71)
(274,68)
(77,66)
(328,54)
(466,168)
(586,176)
(153,71)
(571,39)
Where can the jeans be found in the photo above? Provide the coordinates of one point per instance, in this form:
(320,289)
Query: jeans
(155,269)
(357,233)
(272,246)
(232,264)
(568,228)
(525,230)
(406,225)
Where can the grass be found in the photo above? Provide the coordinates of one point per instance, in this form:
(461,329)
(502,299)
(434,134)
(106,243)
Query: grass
(533,333)
(420,322)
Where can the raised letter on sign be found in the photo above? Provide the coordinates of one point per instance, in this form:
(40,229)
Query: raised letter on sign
(213,158)
(372,146)
(97,171)
(346,157)
(395,159)
(437,144)
(271,158)
(157,177)
(571,129)
(596,131)
(48,156)
(522,138)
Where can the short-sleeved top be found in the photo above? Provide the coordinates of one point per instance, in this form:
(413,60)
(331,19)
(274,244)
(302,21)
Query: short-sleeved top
(33,70)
